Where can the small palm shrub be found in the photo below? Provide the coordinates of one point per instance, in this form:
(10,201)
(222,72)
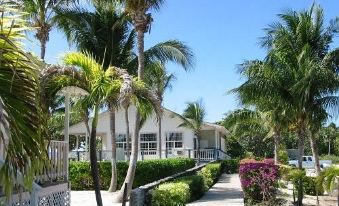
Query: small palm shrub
(171,194)
(258,180)
(327,178)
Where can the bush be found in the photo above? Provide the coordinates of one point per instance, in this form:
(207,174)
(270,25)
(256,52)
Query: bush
(196,185)
(284,171)
(309,184)
(230,166)
(210,173)
(146,172)
(283,157)
(258,180)
(334,158)
(171,194)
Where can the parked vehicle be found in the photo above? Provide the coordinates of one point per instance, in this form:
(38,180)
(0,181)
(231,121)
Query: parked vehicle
(308,162)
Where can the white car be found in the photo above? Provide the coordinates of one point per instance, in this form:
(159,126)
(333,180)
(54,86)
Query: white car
(308,162)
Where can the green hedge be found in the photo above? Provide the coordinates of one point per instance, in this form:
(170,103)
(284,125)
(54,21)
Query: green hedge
(210,173)
(175,193)
(230,166)
(171,194)
(147,171)
(196,185)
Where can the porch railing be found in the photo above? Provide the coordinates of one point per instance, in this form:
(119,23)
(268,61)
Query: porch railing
(56,168)
(205,154)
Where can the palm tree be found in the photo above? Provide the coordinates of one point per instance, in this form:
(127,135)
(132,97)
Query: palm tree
(20,103)
(158,81)
(271,108)
(301,43)
(40,16)
(193,118)
(92,31)
(246,123)
(302,69)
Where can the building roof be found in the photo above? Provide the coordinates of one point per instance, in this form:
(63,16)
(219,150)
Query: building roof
(206,125)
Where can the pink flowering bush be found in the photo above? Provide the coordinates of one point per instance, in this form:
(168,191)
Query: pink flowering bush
(258,179)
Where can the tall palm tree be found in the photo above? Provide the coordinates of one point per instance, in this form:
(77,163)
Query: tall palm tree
(301,42)
(302,71)
(100,85)
(41,13)
(193,118)
(270,106)
(105,33)
(158,81)
(20,103)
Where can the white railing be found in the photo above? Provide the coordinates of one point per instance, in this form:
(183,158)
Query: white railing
(205,154)
(56,169)
(56,195)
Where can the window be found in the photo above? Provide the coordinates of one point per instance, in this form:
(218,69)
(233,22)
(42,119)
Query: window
(173,140)
(121,141)
(148,141)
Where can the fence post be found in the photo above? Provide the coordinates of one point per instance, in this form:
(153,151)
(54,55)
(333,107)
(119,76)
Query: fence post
(100,155)
(189,153)
(215,154)
(142,155)
(166,152)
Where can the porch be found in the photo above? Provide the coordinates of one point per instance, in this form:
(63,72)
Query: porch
(206,155)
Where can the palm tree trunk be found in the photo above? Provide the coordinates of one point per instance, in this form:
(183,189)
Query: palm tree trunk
(113,185)
(141,55)
(159,140)
(301,134)
(42,49)
(127,149)
(93,157)
(276,146)
(132,163)
(315,152)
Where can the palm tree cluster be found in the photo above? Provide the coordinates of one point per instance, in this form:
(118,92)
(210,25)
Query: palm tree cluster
(105,68)
(295,87)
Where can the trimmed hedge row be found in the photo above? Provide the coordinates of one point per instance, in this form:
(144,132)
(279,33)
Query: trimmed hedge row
(147,171)
(230,166)
(186,189)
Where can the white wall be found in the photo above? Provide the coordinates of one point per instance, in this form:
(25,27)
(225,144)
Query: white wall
(169,124)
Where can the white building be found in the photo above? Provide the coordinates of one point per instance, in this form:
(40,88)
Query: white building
(176,141)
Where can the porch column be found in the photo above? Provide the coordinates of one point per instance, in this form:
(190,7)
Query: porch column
(216,139)
(66,131)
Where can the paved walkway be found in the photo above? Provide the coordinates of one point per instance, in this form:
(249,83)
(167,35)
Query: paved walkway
(227,191)
(87,198)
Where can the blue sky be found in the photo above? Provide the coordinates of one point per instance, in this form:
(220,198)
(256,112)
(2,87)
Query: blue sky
(221,33)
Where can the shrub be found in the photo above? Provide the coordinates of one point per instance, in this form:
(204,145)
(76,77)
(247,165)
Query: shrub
(311,187)
(210,173)
(334,158)
(283,157)
(230,166)
(171,194)
(147,171)
(196,185)
(258,179)
(284,171)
